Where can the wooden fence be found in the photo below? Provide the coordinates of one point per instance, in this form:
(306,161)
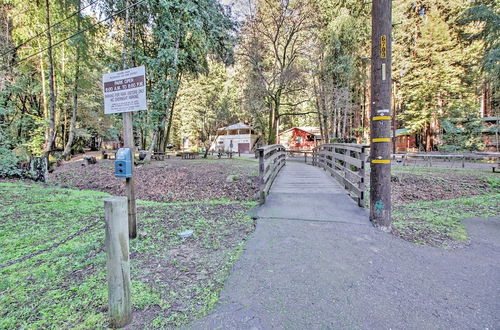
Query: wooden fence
(271,160)
(427,158)
(346,162)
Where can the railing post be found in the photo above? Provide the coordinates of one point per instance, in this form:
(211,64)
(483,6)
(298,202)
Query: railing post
(347,153)
(262,184)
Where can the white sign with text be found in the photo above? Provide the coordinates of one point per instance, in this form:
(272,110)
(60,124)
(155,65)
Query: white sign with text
(125,91)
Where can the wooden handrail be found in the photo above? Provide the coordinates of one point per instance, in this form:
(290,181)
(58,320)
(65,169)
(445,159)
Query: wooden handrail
(346,162)
(271,160)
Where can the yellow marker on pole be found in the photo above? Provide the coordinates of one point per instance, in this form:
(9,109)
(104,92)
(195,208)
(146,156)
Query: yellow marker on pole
(383,46)
(382,118)
(382,140)
(381,161)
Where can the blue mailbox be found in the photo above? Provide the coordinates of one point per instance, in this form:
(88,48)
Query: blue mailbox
(123,163)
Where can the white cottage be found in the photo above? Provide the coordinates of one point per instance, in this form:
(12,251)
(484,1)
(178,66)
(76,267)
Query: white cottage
(236,138)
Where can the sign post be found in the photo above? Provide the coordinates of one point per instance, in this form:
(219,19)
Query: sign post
(125,92)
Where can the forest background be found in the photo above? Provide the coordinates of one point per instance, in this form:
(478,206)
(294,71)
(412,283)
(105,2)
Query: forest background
(273,64)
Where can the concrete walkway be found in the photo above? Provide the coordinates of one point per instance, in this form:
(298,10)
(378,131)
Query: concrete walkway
(315,262)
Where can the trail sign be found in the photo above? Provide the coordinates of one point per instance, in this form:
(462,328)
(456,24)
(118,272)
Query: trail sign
(125,91)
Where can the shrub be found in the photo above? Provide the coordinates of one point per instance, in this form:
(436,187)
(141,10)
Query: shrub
(465,136)
(8,163)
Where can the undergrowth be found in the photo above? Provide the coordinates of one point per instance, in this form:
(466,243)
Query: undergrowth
(52,259)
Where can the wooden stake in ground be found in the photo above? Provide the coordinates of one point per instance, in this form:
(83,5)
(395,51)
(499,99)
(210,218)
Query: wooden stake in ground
(380,179)
(118,266)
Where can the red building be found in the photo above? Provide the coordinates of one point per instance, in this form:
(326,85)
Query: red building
(405,142)
(300,138)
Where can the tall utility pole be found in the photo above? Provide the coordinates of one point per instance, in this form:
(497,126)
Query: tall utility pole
(380,108)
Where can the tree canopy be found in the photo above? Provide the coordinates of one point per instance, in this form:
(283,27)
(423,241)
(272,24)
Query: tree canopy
(275,65)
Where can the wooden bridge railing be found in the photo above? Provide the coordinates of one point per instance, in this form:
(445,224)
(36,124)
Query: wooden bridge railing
(271,160)
(346,162)
(299,155)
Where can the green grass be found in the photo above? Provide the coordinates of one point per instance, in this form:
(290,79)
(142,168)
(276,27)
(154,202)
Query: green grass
(493,181)
(438,222)
(444,216)
(55,286)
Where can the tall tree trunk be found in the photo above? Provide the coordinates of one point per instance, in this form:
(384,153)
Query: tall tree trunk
(320,120)
(273,138)
(271,123)
(161,138)
(428,137)
(326,138)
(67,148)
(156,131)
(171,119)
(151,146)
(44,95)
(52,101)
(344,124)
(334,123)
(277,129)
(318,108)
(165,134)
(324,107)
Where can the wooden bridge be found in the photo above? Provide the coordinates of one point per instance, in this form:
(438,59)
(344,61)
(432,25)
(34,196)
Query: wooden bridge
(336,169)
(315,261)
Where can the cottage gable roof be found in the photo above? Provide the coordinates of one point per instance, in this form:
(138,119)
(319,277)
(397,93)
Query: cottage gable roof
(308,129)
(235,127)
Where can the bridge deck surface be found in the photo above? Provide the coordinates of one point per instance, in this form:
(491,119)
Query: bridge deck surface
(315,262)
(304,192)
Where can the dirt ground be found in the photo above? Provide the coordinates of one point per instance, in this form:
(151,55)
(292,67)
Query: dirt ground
(438,223)
(188,273)
(172,180)
(410,187)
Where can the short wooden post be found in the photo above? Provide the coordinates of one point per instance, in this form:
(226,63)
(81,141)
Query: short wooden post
(463,161)
(346,167)
(117,249)
(261,176)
